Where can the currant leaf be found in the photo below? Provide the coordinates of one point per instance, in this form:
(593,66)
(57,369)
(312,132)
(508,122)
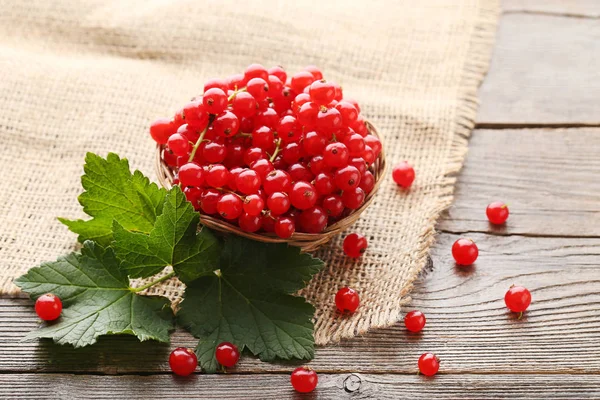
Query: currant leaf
(112,192)
(173,241)
(249,302)
(97,300)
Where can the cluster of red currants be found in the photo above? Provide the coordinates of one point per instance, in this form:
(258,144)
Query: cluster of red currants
(270,152)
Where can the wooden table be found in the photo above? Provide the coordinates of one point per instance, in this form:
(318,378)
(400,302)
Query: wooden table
(537,147)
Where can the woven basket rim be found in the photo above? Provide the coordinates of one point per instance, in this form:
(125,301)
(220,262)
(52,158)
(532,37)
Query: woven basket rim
(307,241)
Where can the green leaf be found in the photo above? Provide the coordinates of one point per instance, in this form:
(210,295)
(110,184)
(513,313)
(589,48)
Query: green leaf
(248,302)
(172,241)
(97,300)
(113,193)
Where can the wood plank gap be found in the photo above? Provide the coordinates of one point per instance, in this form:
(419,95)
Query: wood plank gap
(523,234)
(534,125)
(552,14)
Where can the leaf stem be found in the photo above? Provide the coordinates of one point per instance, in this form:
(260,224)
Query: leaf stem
(159,280)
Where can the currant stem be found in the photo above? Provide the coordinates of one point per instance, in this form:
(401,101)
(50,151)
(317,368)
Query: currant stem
(235,93)
(159,280)
(277,149)
(197,145)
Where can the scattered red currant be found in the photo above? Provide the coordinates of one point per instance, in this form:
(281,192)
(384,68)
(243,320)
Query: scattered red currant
(355,245)
(304,379)
(227,354)
(517,299)
(497,212)
(347,300)
(183,361)
(414,321)
(429,364)
(403,174)
(464,251)
(48,307)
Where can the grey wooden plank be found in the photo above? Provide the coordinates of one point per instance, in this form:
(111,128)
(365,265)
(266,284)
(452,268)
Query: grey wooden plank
(468,325)
(543,71)
(549,177)
(583,8)
(337,386)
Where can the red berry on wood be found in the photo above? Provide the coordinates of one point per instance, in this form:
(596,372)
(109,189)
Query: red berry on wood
(304,380)
(465,251)
(48,307)
(497,212)
(517,299)
(429,364)
(183,361)
(414,321)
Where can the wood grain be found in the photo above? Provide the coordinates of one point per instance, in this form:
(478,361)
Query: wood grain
(337,386)
(570,8)
(544,70)
(468,325)
(549,177)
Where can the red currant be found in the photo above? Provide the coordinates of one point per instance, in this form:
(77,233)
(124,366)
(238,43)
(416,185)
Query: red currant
(48,307)
(216,83)
(403,174)
(368,155)
(192,194)
(304,380)
(279,203)
(161,129)
(248,182)
(314,143)
(254,204)
(465,251)
(336,155)
(347,178)
(263,138)
(313,220)
(277,181)
(355,245)
(214,152)
(235,82)
(348,112)
(347,300)
(209,200)
(284,227)
(288,129)
(275,86)
(317,165)
(196,115)
(254,154)
(299,172)
(324,183)
(367,182)
(179,145)
(497,212)
(299,101)
(414,321)
(333,205)
(249,223)
(353,198)
(244,105)
(226,124)
(517,299)
(214,100)
(191,174)
(429,364)
(316,72)
(360,164)
(255,71)
(374,143)
(307,115)
(301,80)
(217,175)
(230,206)
(321,92)
(183,361)
(227,354)
(328,120)
(303,195)
(262,167)
(258,88)
(292,153)
(279,72)
(235,156)
(268,117)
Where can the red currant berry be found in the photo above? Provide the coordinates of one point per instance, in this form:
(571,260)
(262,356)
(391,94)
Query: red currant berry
(214,100)
(275,85)
(465,251)
(216,83)
(321,92)
(336,155)
(328,120)
(304,379)
(338,92)
(292,153)
(248,182)
(429,364)
(233,174)
(285,227)
(299,172)
(235,82)
(347,178)
(368,155)
(355,144)
(183,361)
(313,220)
(196,115)
(517,299)
(307,115)
(333,205)
(254,154)
(230,206)
(226,124)
(303,195)
(288,129)
(324,183)
(254,204)
(301,80)
(209,200)
(244,105)
(347,300)
(214,152)
(178,119)
(299,101)
(314,143)
(279,72)
(355,245)
(263,138)
(262,167)
(192,194)
(258,88)
(179,145)
(317,165)
(250,223)
(217,175)
(348,112)
(414,321)
(279,203)
(255,71)
(403,174)
(191,174)
(268,117)
(190,132)
(277,181)
(161,129)
(374,143)
(367,182)
(497,212)
(359,126)
(360,164)
(354,103)
(353,198)
(227,354)
(268,223)
(169,157)
(48,307)
(316,72)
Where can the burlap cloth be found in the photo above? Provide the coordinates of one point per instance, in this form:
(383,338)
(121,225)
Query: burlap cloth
(78,76)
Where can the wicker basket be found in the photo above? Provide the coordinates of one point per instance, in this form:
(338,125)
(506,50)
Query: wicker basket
(306,241)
